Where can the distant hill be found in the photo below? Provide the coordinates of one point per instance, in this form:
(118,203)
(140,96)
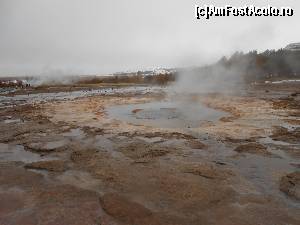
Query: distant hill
(254,66)
(293,47)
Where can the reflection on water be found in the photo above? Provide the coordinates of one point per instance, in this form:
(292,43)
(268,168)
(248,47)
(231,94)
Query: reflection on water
(74,133)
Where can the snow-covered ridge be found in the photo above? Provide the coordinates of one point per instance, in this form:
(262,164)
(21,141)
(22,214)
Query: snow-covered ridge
(281,81)
(151,72)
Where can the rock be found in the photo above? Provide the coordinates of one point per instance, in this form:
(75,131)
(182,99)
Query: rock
(82,155)
(253,148)
(92,130)
(165,135)
(297,165)
(239,141)
(290,184)
(53,166)
(127,211)
(195,144)
(142,150)
(153,153)
(136,110)
(208,171)
(285,135)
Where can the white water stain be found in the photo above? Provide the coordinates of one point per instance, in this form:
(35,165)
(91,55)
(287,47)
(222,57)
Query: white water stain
(12,121)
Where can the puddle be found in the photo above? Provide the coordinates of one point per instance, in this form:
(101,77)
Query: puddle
(268,140)
(54,144)
(103,143)
(17,153)
(151,140)
(50,145)
(74,133)
(165,114)
(263,171)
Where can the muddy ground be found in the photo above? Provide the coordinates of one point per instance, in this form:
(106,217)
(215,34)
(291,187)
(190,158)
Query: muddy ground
(67,159)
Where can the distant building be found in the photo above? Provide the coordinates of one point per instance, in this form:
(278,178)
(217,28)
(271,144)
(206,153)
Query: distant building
(6,82)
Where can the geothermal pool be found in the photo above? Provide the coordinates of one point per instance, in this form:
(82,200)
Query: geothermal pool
(166,114)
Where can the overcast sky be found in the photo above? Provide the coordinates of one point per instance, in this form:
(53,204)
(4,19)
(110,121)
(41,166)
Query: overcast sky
(104,36)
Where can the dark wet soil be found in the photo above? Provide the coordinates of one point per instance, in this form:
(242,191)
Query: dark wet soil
(290,184)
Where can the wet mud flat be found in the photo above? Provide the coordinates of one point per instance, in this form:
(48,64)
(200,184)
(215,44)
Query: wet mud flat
(143,156)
